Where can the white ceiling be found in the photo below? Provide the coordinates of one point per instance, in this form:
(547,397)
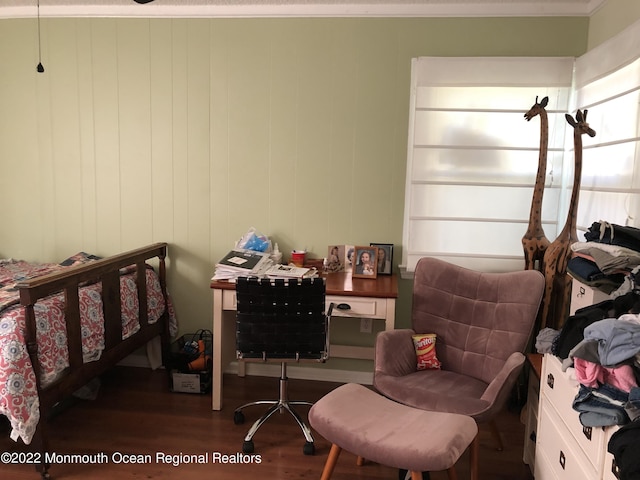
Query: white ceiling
(287,8)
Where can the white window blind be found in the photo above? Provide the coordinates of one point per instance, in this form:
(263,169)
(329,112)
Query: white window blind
(607,83)
(473,158)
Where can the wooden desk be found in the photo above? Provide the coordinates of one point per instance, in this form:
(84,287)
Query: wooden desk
(359,297)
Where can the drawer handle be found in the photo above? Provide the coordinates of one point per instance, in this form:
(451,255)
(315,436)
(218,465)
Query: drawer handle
(563,460)
(587,432)
(614,468)
(550,380)
(343,306)
(581,292)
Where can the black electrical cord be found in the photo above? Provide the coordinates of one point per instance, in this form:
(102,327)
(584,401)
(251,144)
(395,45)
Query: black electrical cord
(39,68)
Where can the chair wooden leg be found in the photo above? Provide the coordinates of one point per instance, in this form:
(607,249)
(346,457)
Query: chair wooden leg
(360,461)
(473,458)
(416,475)
(496,434)
(452,474)
(330,464)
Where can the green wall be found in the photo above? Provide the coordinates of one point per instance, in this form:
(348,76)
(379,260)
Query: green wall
(613,17)
(191,131)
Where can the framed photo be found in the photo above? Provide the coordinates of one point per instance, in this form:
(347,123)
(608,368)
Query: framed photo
(385,258)
(348,258)
(336,258)
(365,262)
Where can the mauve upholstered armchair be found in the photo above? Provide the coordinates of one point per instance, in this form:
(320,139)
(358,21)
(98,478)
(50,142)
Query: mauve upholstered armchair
(483,323)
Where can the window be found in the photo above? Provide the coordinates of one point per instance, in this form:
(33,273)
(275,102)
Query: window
(473,158)
(607,82)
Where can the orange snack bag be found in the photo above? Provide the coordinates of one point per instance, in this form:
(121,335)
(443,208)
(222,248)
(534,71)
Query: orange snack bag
(425,345)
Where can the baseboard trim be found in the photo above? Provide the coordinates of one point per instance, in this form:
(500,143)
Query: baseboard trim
(273,370)
(135,360)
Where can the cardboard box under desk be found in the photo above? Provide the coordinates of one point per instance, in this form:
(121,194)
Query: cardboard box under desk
(191,382)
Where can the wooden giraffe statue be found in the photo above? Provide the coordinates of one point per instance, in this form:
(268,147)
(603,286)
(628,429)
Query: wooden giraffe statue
(557,292)
(534,241)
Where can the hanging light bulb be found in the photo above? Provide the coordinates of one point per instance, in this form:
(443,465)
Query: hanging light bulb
(39,68)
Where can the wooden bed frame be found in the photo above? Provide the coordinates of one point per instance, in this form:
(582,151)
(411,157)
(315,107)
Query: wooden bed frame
(69,281)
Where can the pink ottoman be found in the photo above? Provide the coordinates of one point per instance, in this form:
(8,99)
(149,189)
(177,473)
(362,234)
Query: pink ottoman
(369,425)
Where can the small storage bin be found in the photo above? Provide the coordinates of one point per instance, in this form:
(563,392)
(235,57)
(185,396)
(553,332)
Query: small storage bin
(190,362)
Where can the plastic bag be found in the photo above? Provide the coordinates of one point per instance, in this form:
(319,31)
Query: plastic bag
(254,240)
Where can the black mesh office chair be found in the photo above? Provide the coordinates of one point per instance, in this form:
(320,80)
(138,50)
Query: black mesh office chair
(285,321)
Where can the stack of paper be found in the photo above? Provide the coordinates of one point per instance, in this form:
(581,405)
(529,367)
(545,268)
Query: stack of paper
(242,263)
(290,271)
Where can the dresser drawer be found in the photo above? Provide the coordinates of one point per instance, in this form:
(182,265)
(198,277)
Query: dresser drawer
(560,390)
(543,469)
(609,467)
(560,451)
(358,306)
(530,436)
(531,421)
(558,387)
(583,296)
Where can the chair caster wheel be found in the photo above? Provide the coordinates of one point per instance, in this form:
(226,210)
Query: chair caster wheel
(309,448)
(247,446)
(238,418)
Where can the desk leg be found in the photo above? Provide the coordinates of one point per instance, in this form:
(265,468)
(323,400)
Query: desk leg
(390,316)
(218,354)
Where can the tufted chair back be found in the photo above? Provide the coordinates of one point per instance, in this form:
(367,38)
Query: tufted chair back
(480,319)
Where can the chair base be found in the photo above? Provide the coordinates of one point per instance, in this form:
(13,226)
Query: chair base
(282,404)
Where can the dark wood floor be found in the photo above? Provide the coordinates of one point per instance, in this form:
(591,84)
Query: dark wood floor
(135,414)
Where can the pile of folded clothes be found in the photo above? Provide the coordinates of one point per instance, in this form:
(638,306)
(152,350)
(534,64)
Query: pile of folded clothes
(609,258)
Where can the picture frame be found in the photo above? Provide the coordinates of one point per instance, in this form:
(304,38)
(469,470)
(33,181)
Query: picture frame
(384,259)
(336,258)
(365,262)
(348,258)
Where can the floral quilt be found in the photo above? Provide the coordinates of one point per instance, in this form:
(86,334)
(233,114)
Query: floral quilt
(18,392)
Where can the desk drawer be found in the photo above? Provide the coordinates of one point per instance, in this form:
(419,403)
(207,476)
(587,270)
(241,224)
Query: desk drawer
(229,300)
(353,306)
(358,306)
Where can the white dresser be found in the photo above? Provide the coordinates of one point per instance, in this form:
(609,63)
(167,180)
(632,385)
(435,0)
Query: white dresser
(564,448)
(530,413)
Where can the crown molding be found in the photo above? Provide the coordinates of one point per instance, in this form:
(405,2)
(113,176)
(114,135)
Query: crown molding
(309,8)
